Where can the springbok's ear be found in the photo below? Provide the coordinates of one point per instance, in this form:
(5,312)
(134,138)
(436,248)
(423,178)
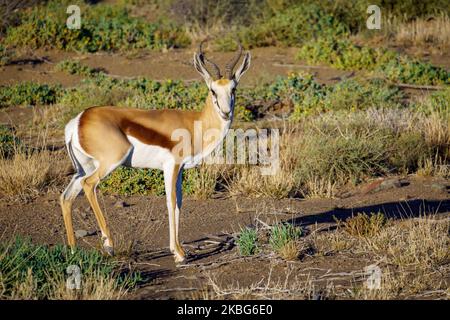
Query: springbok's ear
(244,66)
(200,67)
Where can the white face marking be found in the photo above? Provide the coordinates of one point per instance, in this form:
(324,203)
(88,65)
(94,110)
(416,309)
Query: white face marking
(223,97)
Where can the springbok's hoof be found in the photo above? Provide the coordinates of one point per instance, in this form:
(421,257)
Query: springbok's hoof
(109,250)
(180,259)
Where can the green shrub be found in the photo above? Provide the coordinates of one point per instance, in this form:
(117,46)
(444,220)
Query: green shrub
(405,70)
(351,147)
(5,55)
(29,93)
(47,266)
(282,234)
(103,27)
(134,181)
(9,143)
(342,54)
(247,242)
(131,181)
(308,97)
(293,27)
(75,67)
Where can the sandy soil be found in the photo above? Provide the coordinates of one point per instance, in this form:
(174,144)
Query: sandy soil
(141,232)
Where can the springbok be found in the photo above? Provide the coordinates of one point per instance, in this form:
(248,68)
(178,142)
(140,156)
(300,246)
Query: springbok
(100,139)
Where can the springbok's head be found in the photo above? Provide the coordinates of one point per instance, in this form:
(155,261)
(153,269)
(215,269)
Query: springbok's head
(222,88)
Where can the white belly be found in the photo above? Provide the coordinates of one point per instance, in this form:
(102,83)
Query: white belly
(148,156)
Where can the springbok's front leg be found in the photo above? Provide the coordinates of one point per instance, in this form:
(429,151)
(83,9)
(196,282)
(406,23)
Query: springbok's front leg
(172,181)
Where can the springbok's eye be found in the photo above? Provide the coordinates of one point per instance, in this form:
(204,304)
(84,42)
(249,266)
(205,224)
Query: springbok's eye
(213,92)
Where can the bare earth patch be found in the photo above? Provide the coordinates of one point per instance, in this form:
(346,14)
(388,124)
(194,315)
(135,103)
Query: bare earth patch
(215,269)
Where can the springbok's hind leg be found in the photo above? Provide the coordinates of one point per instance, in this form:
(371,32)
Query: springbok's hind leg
(66,201)
(89,185)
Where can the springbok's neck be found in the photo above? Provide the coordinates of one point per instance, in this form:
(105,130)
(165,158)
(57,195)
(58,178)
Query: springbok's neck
(214,128)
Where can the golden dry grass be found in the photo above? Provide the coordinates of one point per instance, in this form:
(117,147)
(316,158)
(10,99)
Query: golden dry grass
(28,173)
(423,31)
(290,251)
(94,288)
(32,169)
(412,254)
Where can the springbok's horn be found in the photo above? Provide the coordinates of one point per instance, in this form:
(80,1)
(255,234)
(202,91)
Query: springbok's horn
(232,63)
(214,66)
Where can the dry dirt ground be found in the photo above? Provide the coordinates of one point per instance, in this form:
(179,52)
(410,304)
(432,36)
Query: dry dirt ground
(207,226)
(140,226)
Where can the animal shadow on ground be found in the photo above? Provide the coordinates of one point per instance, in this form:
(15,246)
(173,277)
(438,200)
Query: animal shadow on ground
(196,250)
(149,276)
(392,210)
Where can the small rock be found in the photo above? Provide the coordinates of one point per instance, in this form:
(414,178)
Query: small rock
(82,212)
(121,204)
(372,186)
(439,187)
(389,184)
(81,234)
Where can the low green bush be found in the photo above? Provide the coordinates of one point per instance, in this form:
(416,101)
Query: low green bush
(247,242)
(103,27)
(134,181)
(282,234)
(29,93)
(6,55)
(344,147)
(291,27)
(76,67)
(309,97)
(343,54)
(9,142)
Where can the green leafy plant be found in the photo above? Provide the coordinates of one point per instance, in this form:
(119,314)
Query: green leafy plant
(29,93)
(247,241)
(9,142)
(282,234)
(75,67)
(104,27)
(343,54)
(292,26)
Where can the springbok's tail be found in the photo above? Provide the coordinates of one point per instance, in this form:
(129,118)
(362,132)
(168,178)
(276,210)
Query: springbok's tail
(68,136)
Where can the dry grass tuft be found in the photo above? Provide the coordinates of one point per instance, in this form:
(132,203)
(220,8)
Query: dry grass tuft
(420,243)
(423,31)
(31,170)
(28,173)
(94,288)
(290,251)
(363,225)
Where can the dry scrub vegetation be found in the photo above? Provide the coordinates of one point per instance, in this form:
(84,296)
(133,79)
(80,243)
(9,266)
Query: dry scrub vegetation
(413,255)
(432,32)
(318,156)
(26,171)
